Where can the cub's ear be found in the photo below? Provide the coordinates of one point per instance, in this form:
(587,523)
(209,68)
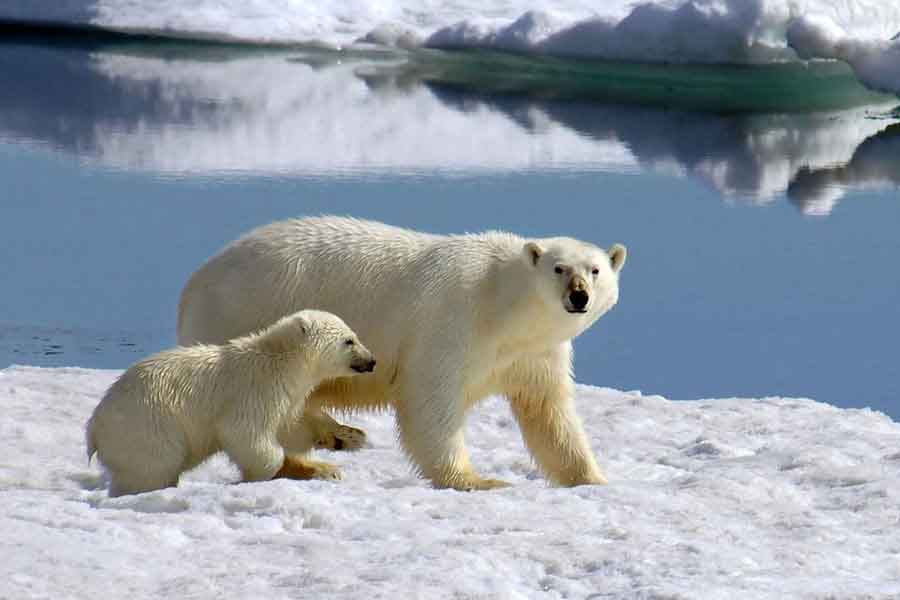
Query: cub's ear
(533,252)
(303,324)
(617,254)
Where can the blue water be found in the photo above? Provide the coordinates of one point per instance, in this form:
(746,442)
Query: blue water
(734,286)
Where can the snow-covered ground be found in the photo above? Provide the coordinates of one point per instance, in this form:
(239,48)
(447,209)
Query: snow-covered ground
(731,498)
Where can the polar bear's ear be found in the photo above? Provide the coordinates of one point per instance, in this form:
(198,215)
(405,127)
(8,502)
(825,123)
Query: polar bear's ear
(533,252)
(617,254)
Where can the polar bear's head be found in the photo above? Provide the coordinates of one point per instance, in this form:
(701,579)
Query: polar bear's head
(336,347)
(578,281)
(326,343)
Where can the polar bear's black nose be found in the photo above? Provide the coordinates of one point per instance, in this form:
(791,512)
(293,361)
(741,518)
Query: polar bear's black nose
(579,299)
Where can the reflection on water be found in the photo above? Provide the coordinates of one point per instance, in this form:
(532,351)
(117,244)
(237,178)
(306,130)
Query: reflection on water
(754,157)
(875,163)
(219,111)
(51,346)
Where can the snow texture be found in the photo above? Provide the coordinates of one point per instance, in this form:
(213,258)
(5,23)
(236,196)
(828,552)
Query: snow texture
(731,498)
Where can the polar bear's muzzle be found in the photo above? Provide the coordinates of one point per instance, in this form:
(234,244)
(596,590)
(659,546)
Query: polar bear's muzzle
(363,365)
(577,297)
(577,302)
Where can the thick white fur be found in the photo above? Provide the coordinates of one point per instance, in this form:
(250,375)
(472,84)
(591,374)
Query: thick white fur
(169,412)
(452,320)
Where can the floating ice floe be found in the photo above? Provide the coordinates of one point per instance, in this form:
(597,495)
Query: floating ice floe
(720,31)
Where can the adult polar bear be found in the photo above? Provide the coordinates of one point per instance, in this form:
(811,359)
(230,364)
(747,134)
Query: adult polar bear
(452,320)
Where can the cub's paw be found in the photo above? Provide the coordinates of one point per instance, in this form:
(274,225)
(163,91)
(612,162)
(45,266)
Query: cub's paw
(489,484)
(327,471)
(473,483)
(573,479)
(342,437)
(301,468)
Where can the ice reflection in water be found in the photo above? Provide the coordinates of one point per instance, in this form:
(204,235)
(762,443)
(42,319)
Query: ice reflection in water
(212,111)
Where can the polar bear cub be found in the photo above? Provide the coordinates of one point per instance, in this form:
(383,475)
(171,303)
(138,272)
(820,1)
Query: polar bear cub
(168,413)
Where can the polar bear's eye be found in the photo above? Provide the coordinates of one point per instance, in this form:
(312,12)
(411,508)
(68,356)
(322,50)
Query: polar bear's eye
(595,271)
(558,270)
(349,342)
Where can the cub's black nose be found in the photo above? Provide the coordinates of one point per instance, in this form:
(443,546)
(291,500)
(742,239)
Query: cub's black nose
(364,366)
(579,299)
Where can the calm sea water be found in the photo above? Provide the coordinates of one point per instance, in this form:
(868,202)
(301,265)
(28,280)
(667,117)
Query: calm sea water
(763,246)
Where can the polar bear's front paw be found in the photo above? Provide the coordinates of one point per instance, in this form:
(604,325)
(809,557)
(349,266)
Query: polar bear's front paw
(342,437)
(301,468)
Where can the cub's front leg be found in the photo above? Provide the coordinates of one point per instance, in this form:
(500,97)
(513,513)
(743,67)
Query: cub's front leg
(331,435)
(298,435)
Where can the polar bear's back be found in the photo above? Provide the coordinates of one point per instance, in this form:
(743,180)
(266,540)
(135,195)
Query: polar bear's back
(329,263)
(305,242)
(161,393)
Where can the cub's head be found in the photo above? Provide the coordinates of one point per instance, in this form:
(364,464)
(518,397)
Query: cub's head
(577,281)
(325,341)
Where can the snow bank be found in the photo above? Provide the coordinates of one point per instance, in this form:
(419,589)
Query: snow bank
(681,31)
(768,498)
(695,31)
(664,30)
(699,31)
(875,62)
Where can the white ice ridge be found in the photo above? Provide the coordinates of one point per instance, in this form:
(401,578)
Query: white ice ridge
(875,62)
(666,30)
(729,499)
(696,31)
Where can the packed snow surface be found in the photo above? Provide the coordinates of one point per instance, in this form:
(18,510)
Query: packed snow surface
(732,498)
